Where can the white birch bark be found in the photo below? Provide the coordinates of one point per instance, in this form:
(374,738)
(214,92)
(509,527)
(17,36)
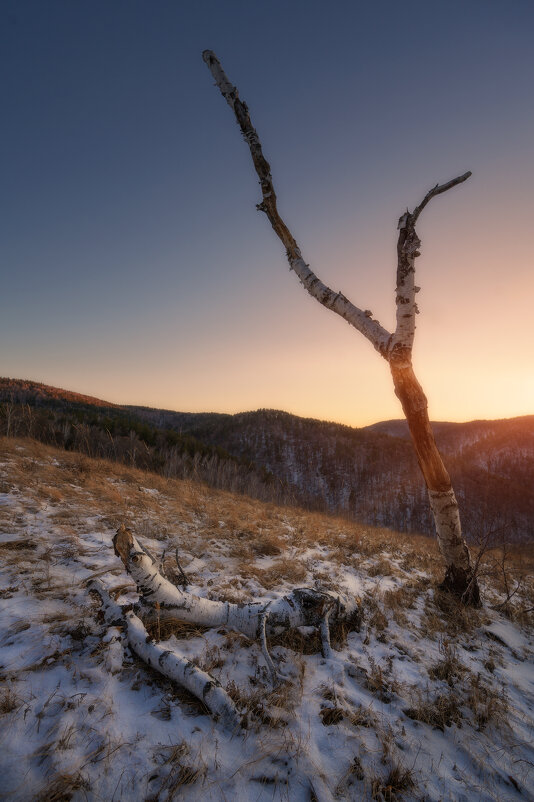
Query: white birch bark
(302,607)
(406,308)
(361,320)
(172,665)
(449,531)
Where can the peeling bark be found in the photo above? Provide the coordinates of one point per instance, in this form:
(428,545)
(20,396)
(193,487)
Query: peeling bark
(175,667)
(396,348)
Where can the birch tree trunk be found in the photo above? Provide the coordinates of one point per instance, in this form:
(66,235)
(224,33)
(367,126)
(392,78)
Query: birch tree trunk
(395,347)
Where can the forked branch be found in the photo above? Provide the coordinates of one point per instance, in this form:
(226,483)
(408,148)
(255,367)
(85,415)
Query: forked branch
(395,348)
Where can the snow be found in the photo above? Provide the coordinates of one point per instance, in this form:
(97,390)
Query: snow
(80,714)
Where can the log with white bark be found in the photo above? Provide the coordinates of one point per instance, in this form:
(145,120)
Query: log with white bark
(172,665)
(395,347)
(159,598)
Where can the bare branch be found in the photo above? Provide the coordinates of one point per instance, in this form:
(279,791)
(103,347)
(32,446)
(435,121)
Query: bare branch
(438,190)
(336,301)
(407,251)
(184,581)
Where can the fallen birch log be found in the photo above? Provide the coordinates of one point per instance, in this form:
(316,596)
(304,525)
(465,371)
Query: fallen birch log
(159,598)
(175,667)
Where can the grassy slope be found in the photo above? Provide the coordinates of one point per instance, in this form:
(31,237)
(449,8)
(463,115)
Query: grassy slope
(436,700)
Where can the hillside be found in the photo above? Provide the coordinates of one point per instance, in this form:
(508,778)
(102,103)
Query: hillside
(368,474)
(371,474)
(102,429)
(426,701)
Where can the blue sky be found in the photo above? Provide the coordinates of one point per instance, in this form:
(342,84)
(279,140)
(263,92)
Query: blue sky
(135,267)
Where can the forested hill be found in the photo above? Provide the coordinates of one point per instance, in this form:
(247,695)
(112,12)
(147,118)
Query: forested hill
(110,431)
(370,474)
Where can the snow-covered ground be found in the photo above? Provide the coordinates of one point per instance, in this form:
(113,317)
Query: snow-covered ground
(426,701)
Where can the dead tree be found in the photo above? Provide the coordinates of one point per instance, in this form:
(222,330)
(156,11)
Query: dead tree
(395,348)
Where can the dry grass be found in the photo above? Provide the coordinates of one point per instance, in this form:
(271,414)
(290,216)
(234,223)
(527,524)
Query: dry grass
(61,787)
(115,493)
(225,524)
(403,598)
(469,695)
(443,614)
(17,545)
(284,570)
(176,769)
(246,545)
(398,781)
(331,715)
(382,567)
(440,712)
(362,717)
(489,705)
(377,621)
(448,669)
(259,707)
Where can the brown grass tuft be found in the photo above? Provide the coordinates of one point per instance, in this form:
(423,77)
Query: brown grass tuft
(391,788)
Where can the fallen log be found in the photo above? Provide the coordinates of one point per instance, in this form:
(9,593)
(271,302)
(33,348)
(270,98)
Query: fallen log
(160,599)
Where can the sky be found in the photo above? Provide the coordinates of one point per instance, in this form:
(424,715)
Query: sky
(133,263)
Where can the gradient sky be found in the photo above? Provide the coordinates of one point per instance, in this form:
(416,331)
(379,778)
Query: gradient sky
(135,267)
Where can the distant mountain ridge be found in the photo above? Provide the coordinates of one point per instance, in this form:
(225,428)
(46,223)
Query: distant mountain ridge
(370,473)
(26,391)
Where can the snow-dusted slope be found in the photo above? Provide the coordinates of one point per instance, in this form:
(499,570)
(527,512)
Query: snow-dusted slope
(427,701)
